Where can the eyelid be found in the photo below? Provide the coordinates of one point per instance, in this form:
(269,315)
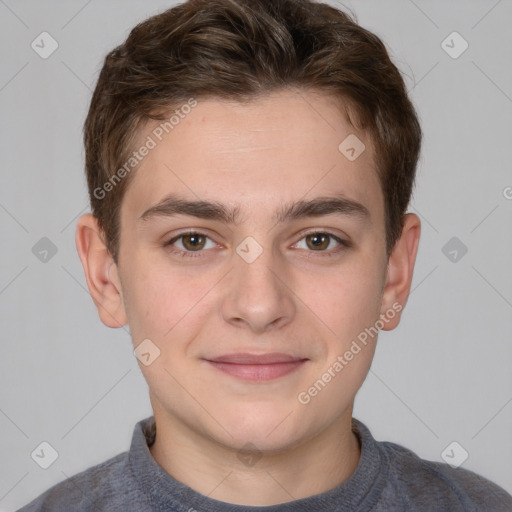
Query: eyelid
(176,236)
(343,242)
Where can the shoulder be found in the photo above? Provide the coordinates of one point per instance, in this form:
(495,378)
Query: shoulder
(439,485)
(106,486)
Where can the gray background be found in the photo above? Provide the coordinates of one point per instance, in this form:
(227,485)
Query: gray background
(442,376)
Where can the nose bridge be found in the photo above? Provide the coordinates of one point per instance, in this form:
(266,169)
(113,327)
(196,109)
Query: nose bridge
(257,296)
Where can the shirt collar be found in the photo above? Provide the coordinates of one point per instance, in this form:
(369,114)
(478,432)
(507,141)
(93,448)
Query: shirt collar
(166,493)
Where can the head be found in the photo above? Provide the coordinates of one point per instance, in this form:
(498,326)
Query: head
(249,166)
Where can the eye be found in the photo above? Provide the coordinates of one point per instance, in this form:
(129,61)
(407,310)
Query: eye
(190,242)
(321,242)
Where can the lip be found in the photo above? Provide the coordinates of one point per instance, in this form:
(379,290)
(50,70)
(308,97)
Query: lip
(257,367)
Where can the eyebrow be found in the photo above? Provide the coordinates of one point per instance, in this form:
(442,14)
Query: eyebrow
(172,205)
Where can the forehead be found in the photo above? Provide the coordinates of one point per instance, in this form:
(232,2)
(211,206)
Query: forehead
(278,148)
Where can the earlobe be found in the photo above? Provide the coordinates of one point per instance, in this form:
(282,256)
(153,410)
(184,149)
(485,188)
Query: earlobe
(400,271)
(100,272)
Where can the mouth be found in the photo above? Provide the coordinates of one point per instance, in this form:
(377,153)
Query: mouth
(257,367)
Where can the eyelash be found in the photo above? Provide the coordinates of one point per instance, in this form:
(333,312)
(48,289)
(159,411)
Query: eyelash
(343,244)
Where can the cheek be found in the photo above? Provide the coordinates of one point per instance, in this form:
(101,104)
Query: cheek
(161,302)
(346,299)
(349,304)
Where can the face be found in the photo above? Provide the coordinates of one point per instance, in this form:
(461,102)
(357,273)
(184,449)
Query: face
(252,256)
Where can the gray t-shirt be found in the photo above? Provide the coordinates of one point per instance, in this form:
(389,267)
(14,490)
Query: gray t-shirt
(389,477)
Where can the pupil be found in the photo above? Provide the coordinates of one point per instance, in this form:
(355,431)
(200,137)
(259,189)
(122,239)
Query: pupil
(194,241)
(319,240)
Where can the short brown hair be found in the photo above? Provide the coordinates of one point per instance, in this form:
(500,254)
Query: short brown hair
(239,50)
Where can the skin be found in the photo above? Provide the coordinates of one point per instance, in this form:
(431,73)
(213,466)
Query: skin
(294,298)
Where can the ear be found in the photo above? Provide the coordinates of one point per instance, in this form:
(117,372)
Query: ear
(399,271)
(101,272)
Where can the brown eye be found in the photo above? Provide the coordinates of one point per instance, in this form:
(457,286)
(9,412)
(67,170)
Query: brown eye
(193,242)
(318,241)
(190,244)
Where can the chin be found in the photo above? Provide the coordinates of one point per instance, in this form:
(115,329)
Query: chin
(269,428)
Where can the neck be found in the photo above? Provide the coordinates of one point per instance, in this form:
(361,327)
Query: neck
(261,479)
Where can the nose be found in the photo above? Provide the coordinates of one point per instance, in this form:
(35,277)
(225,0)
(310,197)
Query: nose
(257,296)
